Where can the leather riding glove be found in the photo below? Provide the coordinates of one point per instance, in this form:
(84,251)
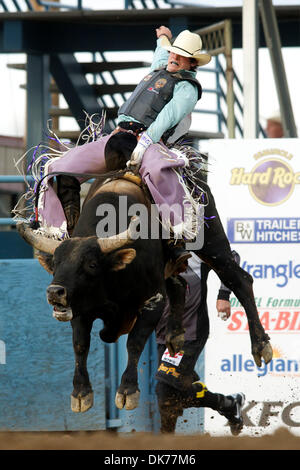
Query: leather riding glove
(137,155)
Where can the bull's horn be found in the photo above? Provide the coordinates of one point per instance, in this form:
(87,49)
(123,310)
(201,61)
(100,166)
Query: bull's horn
(117,241)
(37,241)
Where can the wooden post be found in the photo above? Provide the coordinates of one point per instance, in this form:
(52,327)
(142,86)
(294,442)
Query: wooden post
(250,59)
(229,79)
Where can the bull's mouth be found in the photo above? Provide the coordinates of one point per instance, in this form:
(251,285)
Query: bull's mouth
(62,313)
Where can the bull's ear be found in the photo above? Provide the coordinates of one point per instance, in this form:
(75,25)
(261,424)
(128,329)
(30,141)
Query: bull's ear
(46,261)
(123,257)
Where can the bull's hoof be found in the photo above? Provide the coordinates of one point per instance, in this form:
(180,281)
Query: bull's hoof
(82,404)
(174,343)
(266,353)
(130,402)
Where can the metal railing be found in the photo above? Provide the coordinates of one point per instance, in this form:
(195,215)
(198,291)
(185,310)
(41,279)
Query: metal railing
(78,5)
(17,6)
(29,5)
(45,5)
(148,4)
(217,41)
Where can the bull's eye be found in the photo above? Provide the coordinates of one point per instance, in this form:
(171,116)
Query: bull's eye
(91,266)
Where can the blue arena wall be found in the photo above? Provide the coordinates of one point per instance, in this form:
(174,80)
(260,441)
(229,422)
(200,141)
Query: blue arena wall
(36,378)
(37,364)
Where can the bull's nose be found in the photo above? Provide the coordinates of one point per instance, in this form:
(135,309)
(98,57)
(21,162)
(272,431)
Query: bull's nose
(56,293)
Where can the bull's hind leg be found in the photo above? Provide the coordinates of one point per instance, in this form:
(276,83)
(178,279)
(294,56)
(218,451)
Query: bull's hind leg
(82,395)
(216,252)
(128,392)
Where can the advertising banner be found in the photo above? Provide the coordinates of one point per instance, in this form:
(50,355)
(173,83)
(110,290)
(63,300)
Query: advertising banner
(256,185)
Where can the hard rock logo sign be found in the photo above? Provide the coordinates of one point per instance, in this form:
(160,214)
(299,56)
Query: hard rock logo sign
(272,180)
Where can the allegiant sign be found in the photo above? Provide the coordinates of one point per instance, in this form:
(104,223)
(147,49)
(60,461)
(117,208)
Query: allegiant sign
(272,180)
(279,365)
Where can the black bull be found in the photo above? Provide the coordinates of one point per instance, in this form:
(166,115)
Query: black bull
(124,285)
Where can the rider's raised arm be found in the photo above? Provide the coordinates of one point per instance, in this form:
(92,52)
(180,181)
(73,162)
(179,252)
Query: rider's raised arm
(160,58)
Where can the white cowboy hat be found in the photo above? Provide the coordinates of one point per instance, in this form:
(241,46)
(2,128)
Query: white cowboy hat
(187,44)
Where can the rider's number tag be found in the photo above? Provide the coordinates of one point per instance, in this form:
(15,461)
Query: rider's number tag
(175,360)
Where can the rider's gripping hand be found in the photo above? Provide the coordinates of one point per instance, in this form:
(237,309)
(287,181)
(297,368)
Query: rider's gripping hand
(137,155)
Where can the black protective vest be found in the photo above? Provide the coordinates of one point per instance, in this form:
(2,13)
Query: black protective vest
(153,93)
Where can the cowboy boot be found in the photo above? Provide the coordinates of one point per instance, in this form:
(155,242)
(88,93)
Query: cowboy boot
(68,192)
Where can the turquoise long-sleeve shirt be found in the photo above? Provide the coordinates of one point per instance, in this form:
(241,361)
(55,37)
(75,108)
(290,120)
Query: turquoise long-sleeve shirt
(182,103)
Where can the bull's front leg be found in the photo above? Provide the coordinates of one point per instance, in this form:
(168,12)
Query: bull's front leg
(128,393)
(82,395)
(240,282)
(216,252)
(176,290)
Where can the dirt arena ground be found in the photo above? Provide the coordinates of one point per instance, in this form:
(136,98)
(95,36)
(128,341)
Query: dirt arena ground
(282,439)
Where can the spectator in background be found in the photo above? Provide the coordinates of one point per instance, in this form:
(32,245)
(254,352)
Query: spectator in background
(274,128)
